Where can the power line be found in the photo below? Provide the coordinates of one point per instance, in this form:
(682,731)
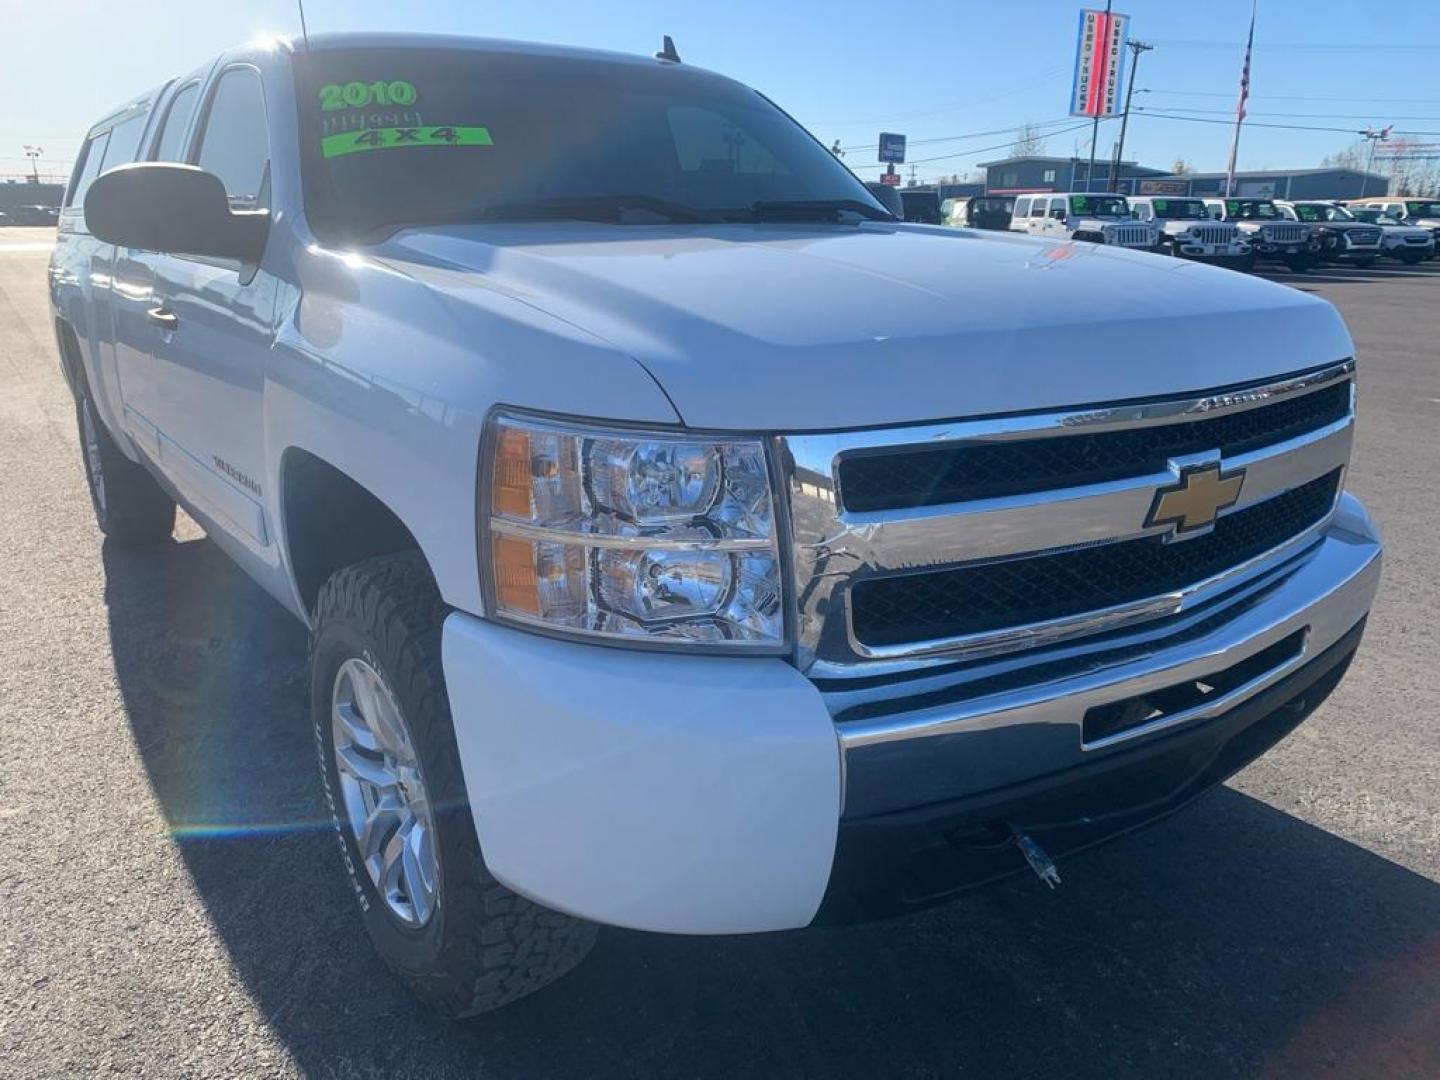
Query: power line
(971,135)
(956,106)
(977,150)
(1282,127)
(1303,46)
(1229,95)
(1306,116)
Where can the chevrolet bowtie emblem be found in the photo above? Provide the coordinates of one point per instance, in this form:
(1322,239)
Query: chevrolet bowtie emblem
(1197,499)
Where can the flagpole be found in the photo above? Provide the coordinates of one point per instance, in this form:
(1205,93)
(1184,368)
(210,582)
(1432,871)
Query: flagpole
(1240,105)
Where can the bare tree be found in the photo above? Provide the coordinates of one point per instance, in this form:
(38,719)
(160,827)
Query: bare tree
(1180,166)
(1029,142)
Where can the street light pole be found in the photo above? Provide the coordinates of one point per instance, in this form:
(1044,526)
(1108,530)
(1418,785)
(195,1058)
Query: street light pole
(1136,47)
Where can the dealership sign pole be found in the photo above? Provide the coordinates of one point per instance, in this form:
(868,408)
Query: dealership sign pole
(892,153)
(1099,69)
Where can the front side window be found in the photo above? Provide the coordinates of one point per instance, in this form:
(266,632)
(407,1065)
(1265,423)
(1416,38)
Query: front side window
(171,146)
(399,137)
(124,141)
(235,145)
(88,167)
(1039,209)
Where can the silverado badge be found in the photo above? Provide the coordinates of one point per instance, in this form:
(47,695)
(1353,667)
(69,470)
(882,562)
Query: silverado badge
(1197,499)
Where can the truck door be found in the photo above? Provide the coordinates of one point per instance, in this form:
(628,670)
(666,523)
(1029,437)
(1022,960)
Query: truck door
(212,322)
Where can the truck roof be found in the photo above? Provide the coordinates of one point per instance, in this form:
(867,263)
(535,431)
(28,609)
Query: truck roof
(367,39)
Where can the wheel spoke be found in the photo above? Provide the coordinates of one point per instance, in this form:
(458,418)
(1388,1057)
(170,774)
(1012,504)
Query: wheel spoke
(392,860)
(367,770)
(419,882)
(381,825)
(355,728)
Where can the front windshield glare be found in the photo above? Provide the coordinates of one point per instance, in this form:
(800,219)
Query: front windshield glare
(1099,206)
(1251,210)
(401,137)
(1178,209)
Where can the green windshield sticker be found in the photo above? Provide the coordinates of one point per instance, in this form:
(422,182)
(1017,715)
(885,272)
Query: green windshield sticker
(358,95)
(1161,205)
(353,142)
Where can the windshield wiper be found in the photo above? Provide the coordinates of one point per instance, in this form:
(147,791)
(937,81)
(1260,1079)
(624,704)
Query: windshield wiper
(815,210)
(605,208)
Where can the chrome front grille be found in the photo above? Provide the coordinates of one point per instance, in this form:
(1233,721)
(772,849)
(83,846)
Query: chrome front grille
(1284,233)
(926,545)
(1214,234)
(1129,236)
(1363,237)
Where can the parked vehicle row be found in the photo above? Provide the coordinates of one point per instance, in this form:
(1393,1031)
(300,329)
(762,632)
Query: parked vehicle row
(30,215)
(1238,233)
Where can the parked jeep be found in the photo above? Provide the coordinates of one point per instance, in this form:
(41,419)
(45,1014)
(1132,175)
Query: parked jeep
(1343,238)
(1099,218)
(992,212)
(686,544)
(1187,230)
(1408,244)
(1273,236)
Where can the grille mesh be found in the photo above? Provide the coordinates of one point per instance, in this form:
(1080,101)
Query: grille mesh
(963,472)
(992,596)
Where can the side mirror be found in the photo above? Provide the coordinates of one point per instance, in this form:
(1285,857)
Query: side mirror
(177,209)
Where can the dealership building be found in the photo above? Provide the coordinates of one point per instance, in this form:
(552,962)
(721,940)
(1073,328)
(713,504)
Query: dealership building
(1018,175)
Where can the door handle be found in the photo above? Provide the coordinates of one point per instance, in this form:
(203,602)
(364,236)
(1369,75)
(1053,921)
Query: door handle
(163,317)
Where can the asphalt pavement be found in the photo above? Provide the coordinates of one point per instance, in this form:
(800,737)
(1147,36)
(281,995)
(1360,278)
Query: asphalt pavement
(171,906)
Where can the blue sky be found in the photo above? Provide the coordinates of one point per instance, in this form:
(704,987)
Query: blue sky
(844,69)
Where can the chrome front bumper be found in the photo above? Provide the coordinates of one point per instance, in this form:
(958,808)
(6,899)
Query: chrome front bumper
(931,755)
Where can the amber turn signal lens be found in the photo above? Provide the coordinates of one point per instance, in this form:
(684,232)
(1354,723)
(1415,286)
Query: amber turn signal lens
(516,585)
(510,493)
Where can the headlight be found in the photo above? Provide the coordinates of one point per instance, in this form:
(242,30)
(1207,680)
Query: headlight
(643,537)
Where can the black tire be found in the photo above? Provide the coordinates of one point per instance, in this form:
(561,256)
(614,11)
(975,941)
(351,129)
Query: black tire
(1364,264)
(483,946)
(1300,264)
(131,508)
(1245,263)
(1410,258)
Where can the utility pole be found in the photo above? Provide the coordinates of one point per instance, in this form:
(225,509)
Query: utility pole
(33,153)
(1376,138)
(912,176)
(1135,47)
(1095,127)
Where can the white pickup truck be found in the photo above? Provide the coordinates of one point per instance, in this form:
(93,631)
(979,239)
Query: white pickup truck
(687,544)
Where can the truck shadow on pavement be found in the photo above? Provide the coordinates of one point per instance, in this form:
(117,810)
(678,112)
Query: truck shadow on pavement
(1232,939)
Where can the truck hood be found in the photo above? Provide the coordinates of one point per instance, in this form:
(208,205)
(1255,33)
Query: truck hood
(814,327)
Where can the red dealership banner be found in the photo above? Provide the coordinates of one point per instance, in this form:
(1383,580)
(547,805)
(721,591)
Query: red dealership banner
(1099,63)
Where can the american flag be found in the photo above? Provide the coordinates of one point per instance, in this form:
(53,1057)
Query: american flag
(1245,71)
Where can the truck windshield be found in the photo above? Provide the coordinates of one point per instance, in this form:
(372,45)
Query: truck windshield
(399,137)
(1252,210)
(1099,206)
(1178,209)
(1321,212)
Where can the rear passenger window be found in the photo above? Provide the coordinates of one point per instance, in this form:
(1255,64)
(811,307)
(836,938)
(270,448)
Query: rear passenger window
(88,167)
(124,141)
(235,145)
(1039,209)
(177,118)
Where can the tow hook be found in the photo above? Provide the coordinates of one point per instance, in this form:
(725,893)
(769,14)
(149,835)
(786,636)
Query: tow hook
(1035,855)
